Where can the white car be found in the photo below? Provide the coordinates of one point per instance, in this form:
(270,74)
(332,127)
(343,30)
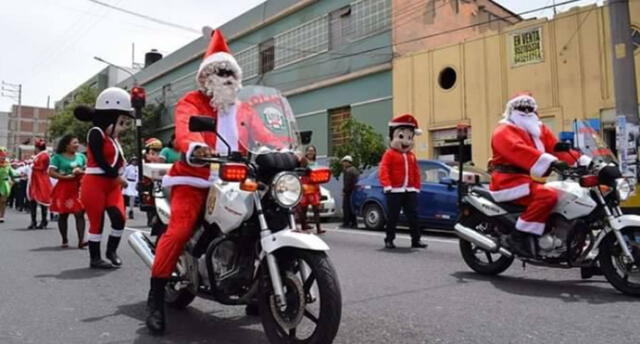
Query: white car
(327,205)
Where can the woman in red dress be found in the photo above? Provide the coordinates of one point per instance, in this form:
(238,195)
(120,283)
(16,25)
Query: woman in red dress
(67,166)
(311,194)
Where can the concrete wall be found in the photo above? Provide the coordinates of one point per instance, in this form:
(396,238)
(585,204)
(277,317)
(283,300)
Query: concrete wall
(573,79)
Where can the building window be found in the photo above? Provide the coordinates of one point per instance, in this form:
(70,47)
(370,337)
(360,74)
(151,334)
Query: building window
(248,61)
(340,26)
(370,16)
(447,78)
(337,118)
(635,37)
(304,41)
(267,56)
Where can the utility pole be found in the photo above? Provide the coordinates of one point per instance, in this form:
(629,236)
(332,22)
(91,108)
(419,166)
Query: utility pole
(13,91)
(625,89)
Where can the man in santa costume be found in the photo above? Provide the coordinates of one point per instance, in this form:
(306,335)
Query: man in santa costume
(101,188)
(400,178)
(523,148)
(39,185)
(218,79)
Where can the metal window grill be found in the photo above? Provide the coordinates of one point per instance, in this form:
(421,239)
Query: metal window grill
(248,61)
(370,16)
(301,42)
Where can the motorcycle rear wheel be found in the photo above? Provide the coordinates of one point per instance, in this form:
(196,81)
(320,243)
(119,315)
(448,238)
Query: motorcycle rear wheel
(493,264)
(622,274)
(323,309)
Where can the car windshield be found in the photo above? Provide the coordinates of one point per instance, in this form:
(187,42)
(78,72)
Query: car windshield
(267,121)
(590,143)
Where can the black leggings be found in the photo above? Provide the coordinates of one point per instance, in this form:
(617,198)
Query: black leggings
(80,225)
(34,208)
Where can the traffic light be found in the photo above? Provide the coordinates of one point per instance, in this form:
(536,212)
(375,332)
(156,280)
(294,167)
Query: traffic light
(137,97)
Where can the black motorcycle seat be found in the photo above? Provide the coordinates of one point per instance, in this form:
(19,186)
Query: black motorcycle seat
(509,207)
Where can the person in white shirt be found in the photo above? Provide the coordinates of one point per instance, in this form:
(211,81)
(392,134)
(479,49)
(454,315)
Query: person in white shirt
(130,192)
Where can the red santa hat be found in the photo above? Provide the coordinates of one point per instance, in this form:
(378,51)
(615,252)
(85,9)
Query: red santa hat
(218,52)
(405,120)
(40,144)
(523,98)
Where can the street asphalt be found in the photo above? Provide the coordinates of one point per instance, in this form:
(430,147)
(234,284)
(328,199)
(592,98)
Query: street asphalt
(49,295)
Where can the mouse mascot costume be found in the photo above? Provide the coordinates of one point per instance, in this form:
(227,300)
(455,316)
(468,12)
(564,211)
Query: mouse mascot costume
(101,189)
(400,178)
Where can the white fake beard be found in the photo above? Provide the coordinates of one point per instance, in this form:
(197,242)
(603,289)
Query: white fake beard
(223,92)
(527,121)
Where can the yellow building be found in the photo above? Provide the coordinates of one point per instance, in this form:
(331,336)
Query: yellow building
(565,62)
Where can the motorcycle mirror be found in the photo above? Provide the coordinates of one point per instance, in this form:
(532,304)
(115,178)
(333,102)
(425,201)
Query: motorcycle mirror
(305,137)
(562,147)
(202,123)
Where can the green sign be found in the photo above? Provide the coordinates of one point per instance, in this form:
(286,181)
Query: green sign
(527,47)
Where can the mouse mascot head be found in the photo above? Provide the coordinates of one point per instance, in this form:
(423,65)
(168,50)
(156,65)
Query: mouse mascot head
(402,131)
(112,113)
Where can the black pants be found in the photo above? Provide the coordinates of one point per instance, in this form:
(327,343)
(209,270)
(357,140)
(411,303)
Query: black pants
(21,195)
(11,200)
(349,216)
(408,202)
(34,209)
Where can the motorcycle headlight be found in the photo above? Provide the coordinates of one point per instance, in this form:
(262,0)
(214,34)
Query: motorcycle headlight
(286,189)
(623,188)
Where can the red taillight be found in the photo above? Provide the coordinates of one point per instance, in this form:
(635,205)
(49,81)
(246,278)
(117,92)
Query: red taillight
(588,181)
(233,172)
(319,175)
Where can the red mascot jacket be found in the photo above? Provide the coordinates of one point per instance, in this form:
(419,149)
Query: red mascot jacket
(512,146)
(399,172)
(196,103)
(111,151)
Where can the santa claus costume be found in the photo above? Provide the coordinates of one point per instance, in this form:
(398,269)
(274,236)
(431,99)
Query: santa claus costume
(219,79)
(101,189)
(523,148)
(400,178)
(39,185)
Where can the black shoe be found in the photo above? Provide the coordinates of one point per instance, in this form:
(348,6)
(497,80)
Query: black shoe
(155,306)
(519,244)
(112,246)
(96,261)
(389,244)
(252,310)
(32,226)
(588,272)
(130,214)
(418,244)
(43,225)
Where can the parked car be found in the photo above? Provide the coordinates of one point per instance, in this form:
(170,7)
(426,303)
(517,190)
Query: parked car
(327,205)
(437,202)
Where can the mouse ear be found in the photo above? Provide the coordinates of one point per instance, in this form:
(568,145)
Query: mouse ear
(83,113)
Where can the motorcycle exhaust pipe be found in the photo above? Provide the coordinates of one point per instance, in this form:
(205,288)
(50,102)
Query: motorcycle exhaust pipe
(483,241)
(142,247)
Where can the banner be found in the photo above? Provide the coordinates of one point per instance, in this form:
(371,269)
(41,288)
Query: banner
(527,47)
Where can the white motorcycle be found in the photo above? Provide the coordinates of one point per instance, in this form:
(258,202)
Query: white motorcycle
(246,249)
(587,229)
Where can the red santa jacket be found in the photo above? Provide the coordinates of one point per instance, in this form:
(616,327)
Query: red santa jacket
(512,146)
(111,151)
(39,185)
(399,172)
(196,103)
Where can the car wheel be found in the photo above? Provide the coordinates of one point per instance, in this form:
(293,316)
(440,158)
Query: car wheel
(373,217)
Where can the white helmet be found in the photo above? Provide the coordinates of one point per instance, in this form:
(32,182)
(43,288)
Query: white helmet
(114,98)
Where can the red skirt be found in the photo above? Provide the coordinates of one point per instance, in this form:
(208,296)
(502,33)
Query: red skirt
(310,195)
(65,198)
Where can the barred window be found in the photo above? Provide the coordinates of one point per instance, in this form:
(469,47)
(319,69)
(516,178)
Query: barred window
(267,55)
(301,42)
(337,118)
(370,16)
(248,61)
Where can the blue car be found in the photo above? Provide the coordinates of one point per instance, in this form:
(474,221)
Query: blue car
(437,202)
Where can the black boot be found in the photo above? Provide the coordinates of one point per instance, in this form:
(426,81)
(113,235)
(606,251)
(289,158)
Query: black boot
(418,244)
(33,225)
(155,306)
(43,224)
(389,244)
(130,214)
(112,246)
(96,260)
(519,243)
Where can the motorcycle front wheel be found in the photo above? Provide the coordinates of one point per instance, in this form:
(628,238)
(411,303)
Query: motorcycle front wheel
(312,293)
(619,270)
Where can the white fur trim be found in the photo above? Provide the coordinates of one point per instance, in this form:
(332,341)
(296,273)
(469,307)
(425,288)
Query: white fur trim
(536,228)
(217,58)
(538,143)
(387,189)
(510,194)
(193,146)
(398,124)
(542,164)
(418,132)
(116,232)
(584,160)
(94,237)
(169,181)
(402,189)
